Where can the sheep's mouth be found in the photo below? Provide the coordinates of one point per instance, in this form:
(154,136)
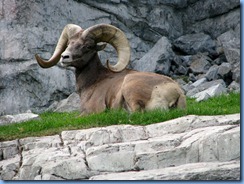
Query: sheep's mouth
(65,63)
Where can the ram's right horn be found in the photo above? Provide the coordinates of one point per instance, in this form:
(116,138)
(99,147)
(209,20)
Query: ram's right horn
(114,36)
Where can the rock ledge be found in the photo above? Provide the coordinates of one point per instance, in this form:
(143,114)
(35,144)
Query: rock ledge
(187,148)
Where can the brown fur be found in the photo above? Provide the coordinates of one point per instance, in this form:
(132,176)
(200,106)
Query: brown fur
(100,88)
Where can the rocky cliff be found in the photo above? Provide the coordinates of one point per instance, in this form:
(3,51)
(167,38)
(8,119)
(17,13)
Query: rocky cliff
(190,38)
(186,148)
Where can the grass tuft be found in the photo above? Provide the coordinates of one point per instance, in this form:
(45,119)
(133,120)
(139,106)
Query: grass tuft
(54,123)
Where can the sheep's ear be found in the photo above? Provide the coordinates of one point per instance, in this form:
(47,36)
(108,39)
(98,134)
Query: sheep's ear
(100,46)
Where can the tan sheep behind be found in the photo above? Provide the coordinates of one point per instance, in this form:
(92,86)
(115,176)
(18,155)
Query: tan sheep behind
(143,91)
(165,96)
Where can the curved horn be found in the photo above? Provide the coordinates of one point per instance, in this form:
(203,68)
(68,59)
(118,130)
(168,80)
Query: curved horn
(68,31)
(114,36)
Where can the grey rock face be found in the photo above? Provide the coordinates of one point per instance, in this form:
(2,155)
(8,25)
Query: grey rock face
(27,28)
(191,147)
(210,17)
(27,86)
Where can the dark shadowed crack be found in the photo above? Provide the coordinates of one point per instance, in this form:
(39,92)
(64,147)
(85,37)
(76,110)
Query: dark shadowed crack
(85,160)
(57,176)
(70,152)
(61,139)
(20,152)
(102,9)
(146,133)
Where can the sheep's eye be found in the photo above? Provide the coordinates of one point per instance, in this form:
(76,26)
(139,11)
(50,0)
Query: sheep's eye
(89,47)
(71,43)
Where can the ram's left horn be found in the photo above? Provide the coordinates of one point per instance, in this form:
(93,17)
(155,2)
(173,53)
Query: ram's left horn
(68,31)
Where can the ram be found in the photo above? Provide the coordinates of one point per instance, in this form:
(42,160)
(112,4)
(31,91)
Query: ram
(113,86)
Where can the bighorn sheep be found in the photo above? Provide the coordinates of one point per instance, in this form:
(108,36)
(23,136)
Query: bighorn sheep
(114,86)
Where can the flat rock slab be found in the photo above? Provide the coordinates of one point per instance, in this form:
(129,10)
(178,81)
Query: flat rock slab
(187,148)
(197,171)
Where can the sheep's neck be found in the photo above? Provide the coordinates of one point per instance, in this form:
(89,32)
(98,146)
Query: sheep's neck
(90,74)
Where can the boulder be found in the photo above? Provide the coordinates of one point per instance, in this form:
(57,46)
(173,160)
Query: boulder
(212,73)
(72,103)
(222,71)
(201,85)
(191,44)
(210,92)
(157,59)
(199,82)
(18,118)
(200,64)
(234,86)
(231,46)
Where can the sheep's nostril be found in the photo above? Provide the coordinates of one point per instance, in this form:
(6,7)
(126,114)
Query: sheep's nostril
(65,57)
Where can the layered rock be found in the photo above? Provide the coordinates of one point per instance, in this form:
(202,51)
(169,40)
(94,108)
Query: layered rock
(191,147)
(172,27)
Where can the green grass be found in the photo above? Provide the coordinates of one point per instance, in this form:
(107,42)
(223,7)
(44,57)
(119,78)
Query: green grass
(53,123)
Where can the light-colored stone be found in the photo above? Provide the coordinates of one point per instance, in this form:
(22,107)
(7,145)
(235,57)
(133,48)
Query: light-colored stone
(57,162)
(199,82)
(110,159)
(227,141)
(30,143)
(97,152)
(8,149)
(198,171)
(18,118)
(104,135)
(9,168)
(210,92)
